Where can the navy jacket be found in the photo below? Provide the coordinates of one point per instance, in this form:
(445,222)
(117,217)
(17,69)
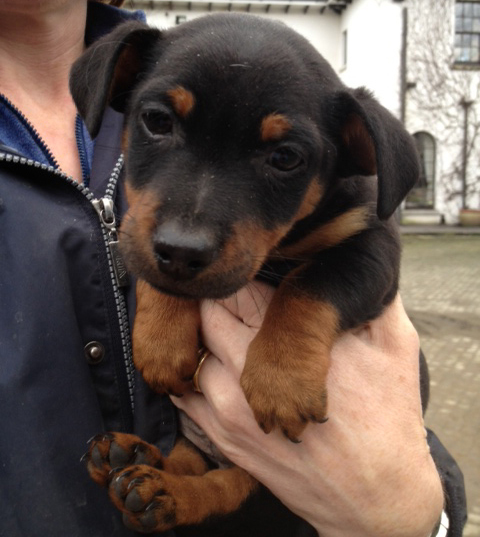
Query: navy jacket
(62,383)
(55,393)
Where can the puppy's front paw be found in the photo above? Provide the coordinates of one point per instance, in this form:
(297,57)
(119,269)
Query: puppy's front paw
(170,368)
(285,394)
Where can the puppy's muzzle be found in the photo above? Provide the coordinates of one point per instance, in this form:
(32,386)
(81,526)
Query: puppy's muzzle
(183,253)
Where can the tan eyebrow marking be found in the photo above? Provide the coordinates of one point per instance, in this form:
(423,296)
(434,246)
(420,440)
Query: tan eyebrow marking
(274,127)
(183,100)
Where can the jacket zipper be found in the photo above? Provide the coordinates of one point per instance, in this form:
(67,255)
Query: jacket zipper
(81,150)
(118,274)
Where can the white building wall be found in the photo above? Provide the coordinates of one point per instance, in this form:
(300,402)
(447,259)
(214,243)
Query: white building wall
(374,40)
(374,43)
(323,31)
(434,102)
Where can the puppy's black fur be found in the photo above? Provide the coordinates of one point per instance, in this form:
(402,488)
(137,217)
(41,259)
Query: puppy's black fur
(246,157)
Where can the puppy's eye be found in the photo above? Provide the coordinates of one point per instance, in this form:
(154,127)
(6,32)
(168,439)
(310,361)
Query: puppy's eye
(157,123)
(285,159)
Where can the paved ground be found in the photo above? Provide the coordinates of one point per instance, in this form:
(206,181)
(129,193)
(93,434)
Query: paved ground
(440,287)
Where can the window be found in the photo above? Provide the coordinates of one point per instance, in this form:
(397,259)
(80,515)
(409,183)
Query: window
(421,195)
(467,32)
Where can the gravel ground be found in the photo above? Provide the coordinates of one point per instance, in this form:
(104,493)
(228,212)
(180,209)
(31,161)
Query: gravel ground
(440,287)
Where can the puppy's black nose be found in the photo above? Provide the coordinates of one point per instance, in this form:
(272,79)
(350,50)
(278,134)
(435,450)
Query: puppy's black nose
(182,254)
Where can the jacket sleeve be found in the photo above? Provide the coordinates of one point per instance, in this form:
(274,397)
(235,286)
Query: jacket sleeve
(453,485)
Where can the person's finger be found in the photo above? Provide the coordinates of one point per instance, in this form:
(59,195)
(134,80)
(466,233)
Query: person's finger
(228,326)
(221,406)
(213,377)
(225,335)
(250,303)
(195,406)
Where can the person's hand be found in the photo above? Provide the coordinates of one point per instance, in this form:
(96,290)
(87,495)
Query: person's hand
(368,470)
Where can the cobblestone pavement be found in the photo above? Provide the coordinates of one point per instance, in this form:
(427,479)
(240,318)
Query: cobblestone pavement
(440,287)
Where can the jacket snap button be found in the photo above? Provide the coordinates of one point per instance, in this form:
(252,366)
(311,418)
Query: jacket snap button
(94,352)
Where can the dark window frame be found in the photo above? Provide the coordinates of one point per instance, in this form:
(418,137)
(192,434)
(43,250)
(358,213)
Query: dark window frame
(467,33)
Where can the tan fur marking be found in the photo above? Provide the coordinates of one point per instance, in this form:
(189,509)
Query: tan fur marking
(334,232)
(183,100)
(247,239)
(314,194)
(306,320)
(215,493)
(185,459)
(125,141)
(137,227)
(274,127)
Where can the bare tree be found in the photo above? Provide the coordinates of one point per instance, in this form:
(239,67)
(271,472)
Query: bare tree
(443,96)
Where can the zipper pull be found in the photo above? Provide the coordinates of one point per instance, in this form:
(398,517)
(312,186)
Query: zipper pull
(104,208)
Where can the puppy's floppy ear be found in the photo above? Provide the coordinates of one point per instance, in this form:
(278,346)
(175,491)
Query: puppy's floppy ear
(372,141)
(108,71)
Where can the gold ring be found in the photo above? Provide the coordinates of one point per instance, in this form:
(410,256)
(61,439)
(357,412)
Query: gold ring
(203,354)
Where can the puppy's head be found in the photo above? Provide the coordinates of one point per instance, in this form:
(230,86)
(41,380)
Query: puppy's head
(235,130)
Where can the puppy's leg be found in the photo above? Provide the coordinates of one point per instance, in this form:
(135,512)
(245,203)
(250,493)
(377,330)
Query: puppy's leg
(343,287)
(157,493)
(165,339)
(284,378)
(153,500)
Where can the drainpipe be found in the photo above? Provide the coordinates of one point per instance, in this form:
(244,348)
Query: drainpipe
(403,85)
(403,66)
(466,109)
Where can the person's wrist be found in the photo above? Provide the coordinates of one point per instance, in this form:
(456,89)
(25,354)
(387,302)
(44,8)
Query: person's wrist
(435,499)
(441,528)
(423,508)
(413,510)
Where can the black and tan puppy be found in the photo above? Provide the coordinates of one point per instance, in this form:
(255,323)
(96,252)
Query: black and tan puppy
(246,157)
